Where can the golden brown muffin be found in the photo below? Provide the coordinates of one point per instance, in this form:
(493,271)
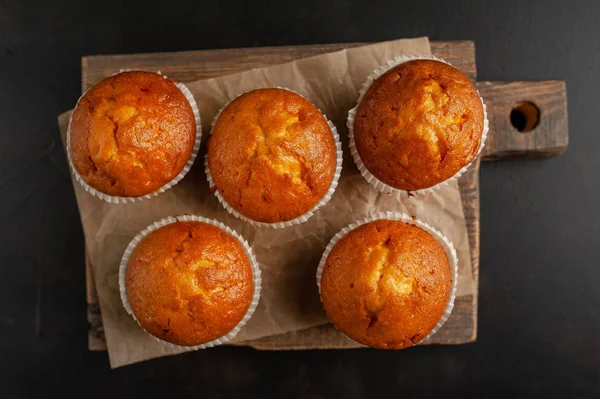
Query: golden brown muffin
(386,284)
(132,133)
(189,283)
(272,155)
(419,124)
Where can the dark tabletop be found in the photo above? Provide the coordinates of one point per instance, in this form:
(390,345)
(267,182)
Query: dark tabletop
(539,310)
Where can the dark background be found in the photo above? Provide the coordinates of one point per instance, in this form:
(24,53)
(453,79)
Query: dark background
(539,316)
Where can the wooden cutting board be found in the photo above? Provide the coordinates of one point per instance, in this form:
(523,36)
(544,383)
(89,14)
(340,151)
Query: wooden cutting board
(538,108)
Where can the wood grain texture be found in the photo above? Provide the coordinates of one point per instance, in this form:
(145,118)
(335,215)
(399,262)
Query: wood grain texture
(96,340)
(188,66)
(548,139)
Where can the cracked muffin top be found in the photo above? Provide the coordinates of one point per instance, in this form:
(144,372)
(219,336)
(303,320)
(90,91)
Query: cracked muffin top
(131,134)
(386,284)
(272,155)
(419,124)
(189,283)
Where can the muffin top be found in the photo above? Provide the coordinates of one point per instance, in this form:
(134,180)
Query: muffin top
(131,134)
(386,284)
(272,155)
(189,283)
(419,124)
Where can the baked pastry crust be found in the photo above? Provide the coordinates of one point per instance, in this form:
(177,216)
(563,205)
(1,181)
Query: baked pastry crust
(386,284)
(419,124)
(272,155)
(189,283)
(131,134)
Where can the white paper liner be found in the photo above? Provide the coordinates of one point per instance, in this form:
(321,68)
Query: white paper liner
(369,177)
(442,239)
(302,218)
(192,218)
(123,200)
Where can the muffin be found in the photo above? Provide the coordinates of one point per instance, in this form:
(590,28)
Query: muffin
(386,284)
(271,155)
(131,134)
(189,283)
(418,124)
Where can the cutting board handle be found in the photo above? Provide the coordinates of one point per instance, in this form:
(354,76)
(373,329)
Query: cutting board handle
(528,119)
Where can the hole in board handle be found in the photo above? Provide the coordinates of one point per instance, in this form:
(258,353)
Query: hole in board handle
(525,116)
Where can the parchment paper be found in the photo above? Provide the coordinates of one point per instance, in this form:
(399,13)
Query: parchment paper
(288,257)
